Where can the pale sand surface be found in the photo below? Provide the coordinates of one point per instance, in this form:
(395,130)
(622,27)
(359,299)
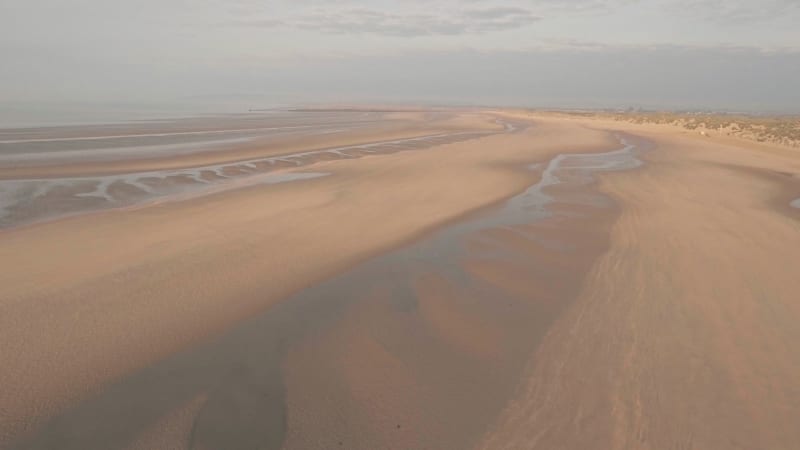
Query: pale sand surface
(666,318)
(90,298)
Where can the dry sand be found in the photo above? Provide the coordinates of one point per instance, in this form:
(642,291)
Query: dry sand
(666,318)
(685,334)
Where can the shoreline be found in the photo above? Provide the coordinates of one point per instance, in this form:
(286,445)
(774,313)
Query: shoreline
(396,126)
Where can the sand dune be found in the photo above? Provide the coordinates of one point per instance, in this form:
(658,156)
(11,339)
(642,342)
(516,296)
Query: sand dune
(530,287)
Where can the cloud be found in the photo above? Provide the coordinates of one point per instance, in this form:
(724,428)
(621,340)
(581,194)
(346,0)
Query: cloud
(581,6)
(414,18)
(437,18)
(735,12)
(497,12)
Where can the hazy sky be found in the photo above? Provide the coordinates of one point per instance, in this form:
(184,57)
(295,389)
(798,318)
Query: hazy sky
(736,54)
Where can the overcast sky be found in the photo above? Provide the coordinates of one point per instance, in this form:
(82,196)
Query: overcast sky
(732,54)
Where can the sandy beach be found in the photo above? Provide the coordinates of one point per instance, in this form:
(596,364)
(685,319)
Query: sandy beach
(446,279)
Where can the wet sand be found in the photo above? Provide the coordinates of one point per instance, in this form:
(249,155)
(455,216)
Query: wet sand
(62,171)
(531,287)
(30,200)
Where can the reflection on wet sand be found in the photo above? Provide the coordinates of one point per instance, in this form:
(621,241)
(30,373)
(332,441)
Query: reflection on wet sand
(31,200)
(417,348)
